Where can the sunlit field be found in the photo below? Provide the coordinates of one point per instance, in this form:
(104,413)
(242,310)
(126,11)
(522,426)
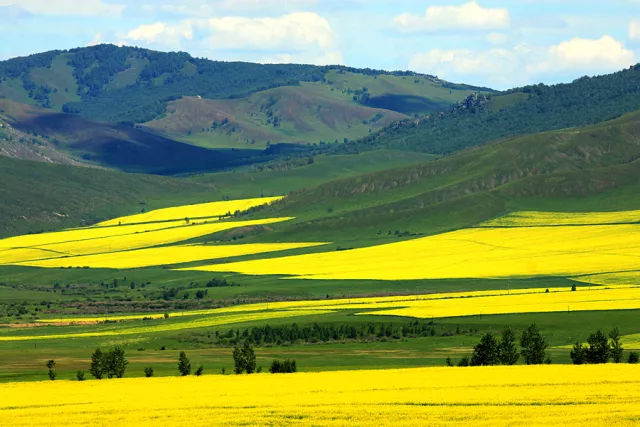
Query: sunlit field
(520,395)
(431,306)
(468,253)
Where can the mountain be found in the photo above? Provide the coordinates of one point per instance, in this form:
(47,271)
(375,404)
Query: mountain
(125,84)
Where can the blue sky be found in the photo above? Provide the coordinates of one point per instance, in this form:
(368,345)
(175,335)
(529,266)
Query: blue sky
(485,42)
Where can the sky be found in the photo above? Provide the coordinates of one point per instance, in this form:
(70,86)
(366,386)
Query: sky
(499,44)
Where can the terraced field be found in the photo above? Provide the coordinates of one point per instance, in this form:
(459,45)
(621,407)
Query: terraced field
(522,395)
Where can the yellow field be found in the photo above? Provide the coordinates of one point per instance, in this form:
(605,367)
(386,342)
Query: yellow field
(535,218)
(201,322)
(468,253)
(202,210)
(513,395)
(534,300)
(163,255)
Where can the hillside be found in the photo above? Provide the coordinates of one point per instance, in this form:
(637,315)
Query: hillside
(118,146)
(38,196)
(587,168)
(111,83)
(530,109)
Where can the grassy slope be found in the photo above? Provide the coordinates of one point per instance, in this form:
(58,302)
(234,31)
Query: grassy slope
(311,112)
(590,168)
(38,196)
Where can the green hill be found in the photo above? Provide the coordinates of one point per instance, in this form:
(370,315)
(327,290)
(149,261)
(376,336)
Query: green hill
(530,109)
(586,168)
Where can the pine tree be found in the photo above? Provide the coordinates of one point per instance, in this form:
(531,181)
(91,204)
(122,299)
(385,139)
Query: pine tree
(507,348)
(184,364)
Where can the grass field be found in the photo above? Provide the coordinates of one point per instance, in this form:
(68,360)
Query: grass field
(523,395)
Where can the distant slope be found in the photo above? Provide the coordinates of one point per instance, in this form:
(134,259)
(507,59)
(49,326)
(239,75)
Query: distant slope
(110,83)
(121,146)
(309,113)
(590,168)
(38,196)
(529,109)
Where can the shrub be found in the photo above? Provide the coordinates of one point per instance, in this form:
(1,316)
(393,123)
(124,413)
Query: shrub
(464,361)
(148,371)
(286,366)
(199,371)
(51,364)
(80,375)
(184,364)
(634,357)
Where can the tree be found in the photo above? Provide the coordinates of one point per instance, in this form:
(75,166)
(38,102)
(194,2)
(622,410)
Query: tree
(249,358)
(184,364)
(508,353)
(51,364)
(97,364)
(578,354)
(148,371)
(244,359)
(615,345)
(199,370)
(115,362)
(486,352)
(80,375)
(634,357)
(599,350)
(533,345)
(464,361)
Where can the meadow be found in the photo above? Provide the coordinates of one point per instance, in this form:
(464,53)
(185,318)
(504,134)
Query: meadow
(522,395)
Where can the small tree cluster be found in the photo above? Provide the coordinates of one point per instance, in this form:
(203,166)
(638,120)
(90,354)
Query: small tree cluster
(503,351)
(110,363)
(601,348)
(244,359)
(283,367)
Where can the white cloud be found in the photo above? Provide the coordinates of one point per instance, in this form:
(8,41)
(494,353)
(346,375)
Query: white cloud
(524,64)
(212,7)
(66,7)
(634,30)
(295,37)
(468,16)
(595,55)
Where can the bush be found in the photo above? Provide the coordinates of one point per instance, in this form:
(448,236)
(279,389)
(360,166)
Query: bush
(634,357)
(80,375)
(148,372)
(464,361)
(284,367)
(199,371)
(184,364)
(51,364)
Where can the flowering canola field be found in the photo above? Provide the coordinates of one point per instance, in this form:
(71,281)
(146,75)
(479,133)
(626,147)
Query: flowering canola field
(134,243)
(455,304)
(468,253)
(500,395)
(536,218)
